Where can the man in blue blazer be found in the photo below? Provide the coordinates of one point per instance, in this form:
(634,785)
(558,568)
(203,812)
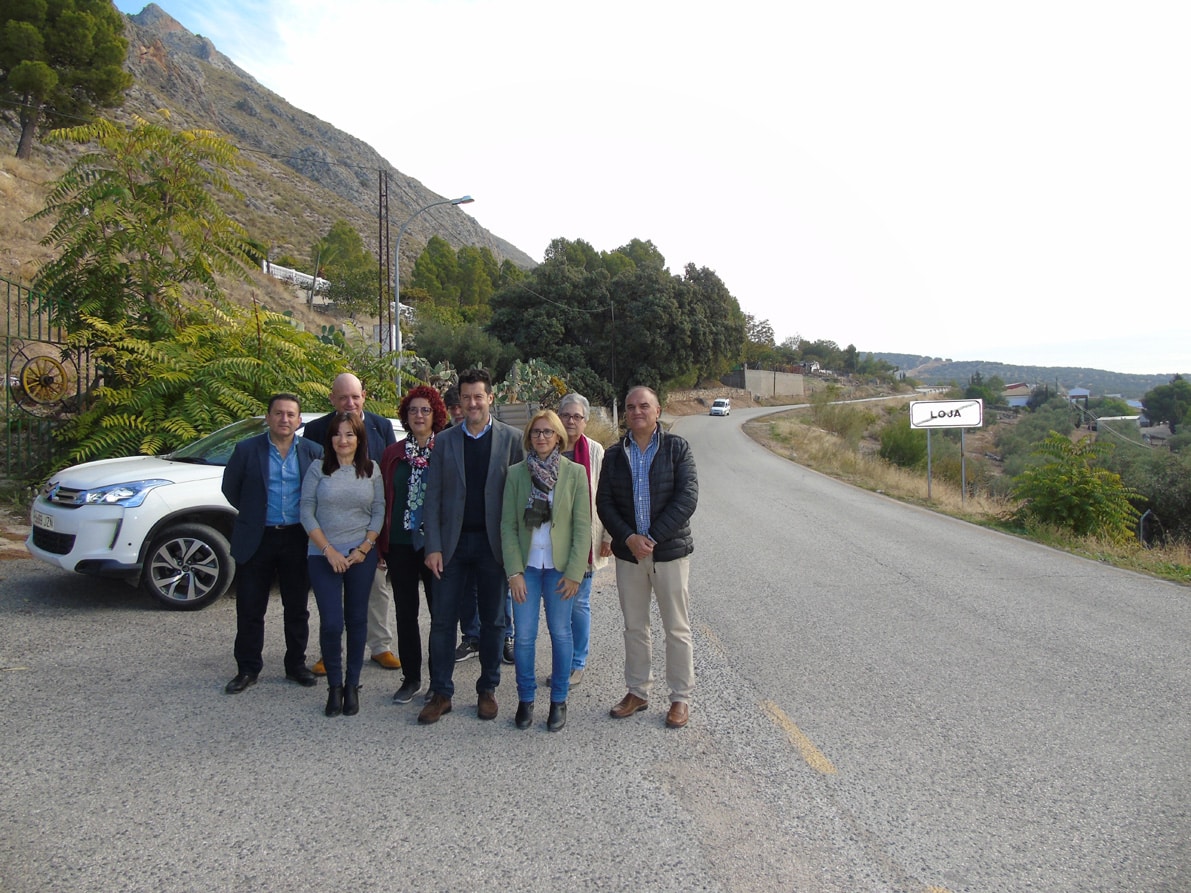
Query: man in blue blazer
(263,482)
(347,395)
(465,484)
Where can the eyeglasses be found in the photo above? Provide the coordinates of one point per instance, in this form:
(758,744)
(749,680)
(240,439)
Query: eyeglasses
(542,432)
(571,417)
(420,410)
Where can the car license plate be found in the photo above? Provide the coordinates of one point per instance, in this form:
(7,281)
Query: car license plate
(42,520)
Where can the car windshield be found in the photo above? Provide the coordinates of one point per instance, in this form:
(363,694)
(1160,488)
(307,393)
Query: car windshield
(216,448)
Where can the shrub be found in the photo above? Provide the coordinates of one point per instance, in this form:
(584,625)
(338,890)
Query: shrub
(1069,491)
(902,445)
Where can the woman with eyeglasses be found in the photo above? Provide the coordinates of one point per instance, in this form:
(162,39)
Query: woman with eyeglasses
(403,469)
(545,536)
(343,509)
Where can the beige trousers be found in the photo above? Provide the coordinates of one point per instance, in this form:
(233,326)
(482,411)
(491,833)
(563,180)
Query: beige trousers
(380,609)
(667,582)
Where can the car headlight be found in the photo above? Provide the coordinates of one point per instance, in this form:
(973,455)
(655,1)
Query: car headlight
(129,495)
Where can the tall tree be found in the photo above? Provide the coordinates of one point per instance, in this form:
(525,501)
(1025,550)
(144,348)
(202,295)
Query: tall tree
(60,60)
(1170,403)
(349,267)
(137,228)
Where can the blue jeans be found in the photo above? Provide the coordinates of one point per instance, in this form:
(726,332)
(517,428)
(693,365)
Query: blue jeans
(581,622)
(473,559)
(342,602)
(540,586)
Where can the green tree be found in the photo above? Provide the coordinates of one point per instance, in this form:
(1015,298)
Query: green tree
(137,228)
(437,271)
(1169,403)
(217,366)
(1072,491)
(349,267)
(60,60)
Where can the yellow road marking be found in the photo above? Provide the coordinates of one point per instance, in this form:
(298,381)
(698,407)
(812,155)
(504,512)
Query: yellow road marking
(814,757)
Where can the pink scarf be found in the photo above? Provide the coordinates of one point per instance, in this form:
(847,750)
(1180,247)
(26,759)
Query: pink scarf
(583,457)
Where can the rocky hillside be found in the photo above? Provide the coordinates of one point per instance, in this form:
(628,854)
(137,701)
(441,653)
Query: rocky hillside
(300,173)
(304,169)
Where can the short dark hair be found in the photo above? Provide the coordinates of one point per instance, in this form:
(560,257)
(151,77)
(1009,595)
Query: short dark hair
(291,397)
(451,397)
(471,376)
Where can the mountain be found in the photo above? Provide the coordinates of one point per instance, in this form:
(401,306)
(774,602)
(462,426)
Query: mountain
(933,370)
(299,173)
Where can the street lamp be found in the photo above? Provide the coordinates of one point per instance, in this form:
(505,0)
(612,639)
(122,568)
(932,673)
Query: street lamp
(462,200)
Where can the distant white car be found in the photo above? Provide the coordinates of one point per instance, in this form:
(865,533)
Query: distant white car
(158,521)
(721,406)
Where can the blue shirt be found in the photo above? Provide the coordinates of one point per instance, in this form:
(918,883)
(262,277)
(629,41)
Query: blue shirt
(285,486)
(467,430)
(639,462)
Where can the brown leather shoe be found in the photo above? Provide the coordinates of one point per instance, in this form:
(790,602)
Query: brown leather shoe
(434,709)
(486,709)
(319,668)
(628,705)
(388,660)
(679,713)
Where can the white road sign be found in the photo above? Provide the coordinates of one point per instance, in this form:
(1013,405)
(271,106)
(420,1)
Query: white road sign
(946,413)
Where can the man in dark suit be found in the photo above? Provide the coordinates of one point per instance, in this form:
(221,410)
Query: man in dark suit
(464,490)
(347,396)
(263,482)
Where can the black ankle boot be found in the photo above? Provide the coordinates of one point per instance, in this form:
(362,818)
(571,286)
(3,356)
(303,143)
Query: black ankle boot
(351,700)
(334,700)
(524,718)
(558,716)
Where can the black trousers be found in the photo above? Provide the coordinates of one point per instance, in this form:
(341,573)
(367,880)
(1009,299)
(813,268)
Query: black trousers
(281,556)
(406,567)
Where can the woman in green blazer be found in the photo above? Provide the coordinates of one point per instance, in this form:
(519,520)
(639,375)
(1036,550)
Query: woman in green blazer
(545,535)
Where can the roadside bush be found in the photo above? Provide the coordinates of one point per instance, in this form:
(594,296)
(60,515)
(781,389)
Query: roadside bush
(902,445)
(849,423)
(1163,480)
(1070,491)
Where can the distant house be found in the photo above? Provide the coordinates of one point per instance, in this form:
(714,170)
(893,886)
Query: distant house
(1017,394)
(1078,394)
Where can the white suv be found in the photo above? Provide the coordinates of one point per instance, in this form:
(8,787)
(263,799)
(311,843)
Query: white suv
(160,521)
(721,406)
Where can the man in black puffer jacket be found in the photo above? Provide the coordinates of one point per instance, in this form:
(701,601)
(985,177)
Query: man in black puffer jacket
(647,494)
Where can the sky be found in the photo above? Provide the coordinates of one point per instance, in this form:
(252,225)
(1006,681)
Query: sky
(1007,182)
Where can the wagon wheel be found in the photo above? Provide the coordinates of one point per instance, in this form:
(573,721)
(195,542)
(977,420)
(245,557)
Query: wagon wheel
(44,380)
(41,384)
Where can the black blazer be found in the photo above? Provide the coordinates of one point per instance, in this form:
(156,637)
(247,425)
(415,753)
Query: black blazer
(244,485)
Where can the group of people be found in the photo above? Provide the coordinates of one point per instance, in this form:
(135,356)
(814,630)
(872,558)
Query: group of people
(492,521)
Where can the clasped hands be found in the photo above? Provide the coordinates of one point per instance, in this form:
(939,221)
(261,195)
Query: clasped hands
(340,562)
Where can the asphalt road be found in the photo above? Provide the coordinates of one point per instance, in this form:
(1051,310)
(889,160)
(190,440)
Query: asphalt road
(888,700)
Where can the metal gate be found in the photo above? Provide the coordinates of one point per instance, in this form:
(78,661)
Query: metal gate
(43,386)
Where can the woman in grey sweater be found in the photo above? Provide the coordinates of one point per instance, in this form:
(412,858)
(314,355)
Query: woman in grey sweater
(343,508)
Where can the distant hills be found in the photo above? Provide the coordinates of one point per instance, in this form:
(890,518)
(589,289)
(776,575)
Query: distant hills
(934,370)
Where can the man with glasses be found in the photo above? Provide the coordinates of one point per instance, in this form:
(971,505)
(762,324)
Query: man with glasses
(464,492)
(574,410)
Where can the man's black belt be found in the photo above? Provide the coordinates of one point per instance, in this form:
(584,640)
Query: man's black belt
(281,526)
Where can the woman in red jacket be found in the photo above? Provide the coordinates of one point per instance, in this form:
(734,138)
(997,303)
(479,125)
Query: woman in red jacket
(403,469)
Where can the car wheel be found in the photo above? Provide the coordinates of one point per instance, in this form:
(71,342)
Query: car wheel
(188,566)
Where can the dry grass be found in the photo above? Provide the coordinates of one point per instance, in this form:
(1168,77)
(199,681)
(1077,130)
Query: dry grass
(793,436)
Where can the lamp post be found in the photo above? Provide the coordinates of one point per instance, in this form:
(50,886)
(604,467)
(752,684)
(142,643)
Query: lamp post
(462,200)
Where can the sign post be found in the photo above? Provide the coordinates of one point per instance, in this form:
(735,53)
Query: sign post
(947,414)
